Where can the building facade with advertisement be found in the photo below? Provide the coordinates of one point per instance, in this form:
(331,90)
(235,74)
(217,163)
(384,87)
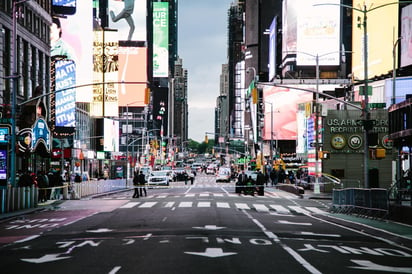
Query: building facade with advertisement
(343,139)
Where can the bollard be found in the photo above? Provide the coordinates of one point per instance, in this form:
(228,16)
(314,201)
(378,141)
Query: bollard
(65,191)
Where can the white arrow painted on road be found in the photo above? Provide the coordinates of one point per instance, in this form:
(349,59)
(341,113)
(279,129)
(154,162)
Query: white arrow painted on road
(100,230)
(368,265)
(209,227)
(46,258)
(212,253)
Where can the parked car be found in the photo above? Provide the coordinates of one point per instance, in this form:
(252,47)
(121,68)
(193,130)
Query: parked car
(223,175)
(160,177)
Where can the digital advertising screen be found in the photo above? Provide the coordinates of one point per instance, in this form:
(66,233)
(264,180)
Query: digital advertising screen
(160,39)
(65,93)
(128,17)
(111,135)
(132,70)
(72,37)
(382,28)
(406,40)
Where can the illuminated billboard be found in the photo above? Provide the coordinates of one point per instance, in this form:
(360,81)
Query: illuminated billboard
(281,108)
(318,33)
(382,28)
(72,37)
(111,135)
(406,41)
(105,71)
(160,39)
(128,17)
(132,70)
(65,95)
(310,30)
(284,104)
(272,49)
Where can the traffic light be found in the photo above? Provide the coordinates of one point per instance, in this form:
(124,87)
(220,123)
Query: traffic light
(147,96)
(206,139)
(254,95)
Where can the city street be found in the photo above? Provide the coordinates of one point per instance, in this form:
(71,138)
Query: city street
(199,228)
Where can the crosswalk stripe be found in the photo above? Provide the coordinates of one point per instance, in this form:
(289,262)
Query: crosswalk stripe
(190,195)
(280,209)
(315,209)
(204,195)
(218,194)
(185,204)
(299,209)
(260,208)
(222,205)
(203,204)
(169,204)
(147,204)
(130,205)
(242,206)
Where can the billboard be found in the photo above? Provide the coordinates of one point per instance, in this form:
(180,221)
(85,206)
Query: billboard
(160,39)
(306,27)
(318,25)
(284,104)
(105,72)
(128,17)
(382,29)
(67,40)
(406,34)
(281,108)
(65,93)
(132,70)
(272,48)
(111,135)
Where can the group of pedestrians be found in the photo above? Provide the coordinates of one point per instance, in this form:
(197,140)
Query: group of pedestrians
(49,185)
(139,182)
(247,185)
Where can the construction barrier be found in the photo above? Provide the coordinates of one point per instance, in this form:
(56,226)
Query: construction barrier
(363,201)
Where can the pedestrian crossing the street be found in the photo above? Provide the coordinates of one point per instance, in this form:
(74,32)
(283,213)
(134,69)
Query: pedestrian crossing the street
(259,207)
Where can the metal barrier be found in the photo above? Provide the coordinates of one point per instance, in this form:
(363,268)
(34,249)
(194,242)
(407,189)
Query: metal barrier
(18,198)
(87,188)
(372,202)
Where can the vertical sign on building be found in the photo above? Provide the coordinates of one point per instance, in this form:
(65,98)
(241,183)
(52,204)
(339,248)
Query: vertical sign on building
(105,74)
(160,39)
(65,93)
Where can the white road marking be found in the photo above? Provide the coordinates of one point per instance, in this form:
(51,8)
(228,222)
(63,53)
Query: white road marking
(147,204)
(299,209)
(260,208)
(203,204)
(130,205)
(185,204)
(222,205)
(242,206)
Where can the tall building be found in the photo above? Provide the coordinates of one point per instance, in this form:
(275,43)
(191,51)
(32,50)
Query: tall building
(24,71)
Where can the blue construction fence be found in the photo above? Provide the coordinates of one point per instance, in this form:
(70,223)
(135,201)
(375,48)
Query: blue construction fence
(364,201)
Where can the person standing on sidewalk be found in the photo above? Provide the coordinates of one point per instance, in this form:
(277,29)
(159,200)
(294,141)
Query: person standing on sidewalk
(142,183)
(136,185)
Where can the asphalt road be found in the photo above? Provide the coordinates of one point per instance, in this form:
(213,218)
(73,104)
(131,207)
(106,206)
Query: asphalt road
(200,228)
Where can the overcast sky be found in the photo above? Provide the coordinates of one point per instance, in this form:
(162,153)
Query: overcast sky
(202,45)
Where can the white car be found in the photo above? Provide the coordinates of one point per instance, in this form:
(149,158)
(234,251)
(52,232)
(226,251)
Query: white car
(161,177)
(223,175)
